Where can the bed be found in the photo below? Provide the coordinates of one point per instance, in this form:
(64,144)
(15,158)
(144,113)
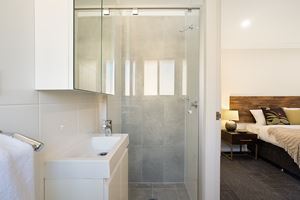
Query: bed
(268,147)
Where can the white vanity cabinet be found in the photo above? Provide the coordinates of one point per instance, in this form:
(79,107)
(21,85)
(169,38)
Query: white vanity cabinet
(116,187)
(61,187)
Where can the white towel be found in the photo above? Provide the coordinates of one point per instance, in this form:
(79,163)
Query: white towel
(16,170)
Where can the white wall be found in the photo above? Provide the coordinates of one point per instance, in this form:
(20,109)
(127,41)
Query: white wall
(55,118)
(264,58)
(269,72)
(274,24)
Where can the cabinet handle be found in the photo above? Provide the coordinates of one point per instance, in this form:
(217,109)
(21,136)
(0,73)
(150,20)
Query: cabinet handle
(246,140)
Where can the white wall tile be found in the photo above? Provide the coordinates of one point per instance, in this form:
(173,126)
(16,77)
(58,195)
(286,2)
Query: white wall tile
(36,114)
(87,118)
(58,127)
(87,97)
(102,111)
(58,97)
(57,120)
(20,118)
(67,97)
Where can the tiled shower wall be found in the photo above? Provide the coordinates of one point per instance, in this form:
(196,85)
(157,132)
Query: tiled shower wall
(156,129)
(56,118)
(156,124)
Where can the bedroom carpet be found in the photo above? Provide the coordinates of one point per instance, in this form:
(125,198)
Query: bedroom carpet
(247,179)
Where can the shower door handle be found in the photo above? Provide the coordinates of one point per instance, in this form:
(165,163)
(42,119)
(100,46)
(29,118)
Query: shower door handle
(194,104)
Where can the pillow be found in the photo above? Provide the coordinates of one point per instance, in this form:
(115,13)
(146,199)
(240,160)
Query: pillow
(285,108)
(293,116)
(275,116)
(259,116)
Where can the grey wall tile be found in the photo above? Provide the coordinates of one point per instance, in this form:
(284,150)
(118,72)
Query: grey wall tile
(174,110)
(152,170)
(135,133)
(153,111)
(135,161)
(152,134)
(173,134)
(154,122)
(173,163)
(132,113)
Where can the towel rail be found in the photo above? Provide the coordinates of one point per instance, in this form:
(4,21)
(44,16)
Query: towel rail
(36,145)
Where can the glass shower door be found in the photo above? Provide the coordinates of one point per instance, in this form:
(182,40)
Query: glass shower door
(192,114)
(156,70)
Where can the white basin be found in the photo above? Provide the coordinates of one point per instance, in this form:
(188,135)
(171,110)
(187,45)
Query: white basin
(84,160)
(104,143)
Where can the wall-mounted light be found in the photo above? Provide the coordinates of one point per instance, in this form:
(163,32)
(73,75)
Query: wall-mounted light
(135,11)
(246,23)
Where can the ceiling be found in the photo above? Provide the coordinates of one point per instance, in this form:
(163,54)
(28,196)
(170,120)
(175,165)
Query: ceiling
(137,3)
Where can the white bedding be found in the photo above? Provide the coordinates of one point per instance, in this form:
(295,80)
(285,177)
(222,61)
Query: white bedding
(262,131)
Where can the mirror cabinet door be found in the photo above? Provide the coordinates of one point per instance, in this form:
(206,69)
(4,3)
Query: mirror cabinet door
(110,36)
(88,50)
(94,47)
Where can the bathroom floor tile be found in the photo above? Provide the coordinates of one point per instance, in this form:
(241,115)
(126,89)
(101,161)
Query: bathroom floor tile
(165,194)
(140,194)
(164,185)
(157,191)
(140,185)
(182,194)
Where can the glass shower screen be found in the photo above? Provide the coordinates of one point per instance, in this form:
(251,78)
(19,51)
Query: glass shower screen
(155,54)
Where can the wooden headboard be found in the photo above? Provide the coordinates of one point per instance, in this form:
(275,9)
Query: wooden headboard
(245,103)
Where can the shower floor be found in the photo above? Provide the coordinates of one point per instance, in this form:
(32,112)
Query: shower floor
(157,191)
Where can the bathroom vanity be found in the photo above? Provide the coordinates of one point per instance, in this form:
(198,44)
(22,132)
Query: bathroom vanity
(97,169)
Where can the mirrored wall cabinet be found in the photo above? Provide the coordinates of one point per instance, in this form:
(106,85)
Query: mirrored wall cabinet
(68,47)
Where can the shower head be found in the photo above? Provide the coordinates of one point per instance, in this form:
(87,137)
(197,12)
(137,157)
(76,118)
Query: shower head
(189,27)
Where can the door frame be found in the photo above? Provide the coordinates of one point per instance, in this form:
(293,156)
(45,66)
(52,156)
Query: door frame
(209,101)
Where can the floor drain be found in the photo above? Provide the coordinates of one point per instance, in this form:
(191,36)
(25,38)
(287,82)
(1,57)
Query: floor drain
(102,154)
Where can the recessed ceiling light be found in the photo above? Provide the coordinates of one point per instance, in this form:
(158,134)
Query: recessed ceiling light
(106,12)
(246,23)
(135,11)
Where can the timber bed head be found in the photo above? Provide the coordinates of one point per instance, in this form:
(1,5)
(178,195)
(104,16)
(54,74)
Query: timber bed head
(245,103)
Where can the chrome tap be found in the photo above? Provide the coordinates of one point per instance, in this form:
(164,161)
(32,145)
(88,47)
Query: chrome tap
(107,126)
